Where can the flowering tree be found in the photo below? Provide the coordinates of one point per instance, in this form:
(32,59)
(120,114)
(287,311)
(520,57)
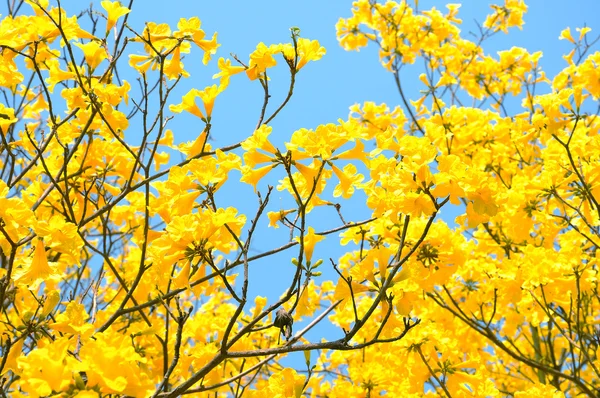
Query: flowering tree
(121,274)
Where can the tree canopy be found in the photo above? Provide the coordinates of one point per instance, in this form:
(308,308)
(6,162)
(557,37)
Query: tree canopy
(122,273)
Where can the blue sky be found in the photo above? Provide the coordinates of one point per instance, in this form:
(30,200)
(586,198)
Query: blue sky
(323,93)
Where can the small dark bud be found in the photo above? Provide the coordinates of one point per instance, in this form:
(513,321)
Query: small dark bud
(284,321)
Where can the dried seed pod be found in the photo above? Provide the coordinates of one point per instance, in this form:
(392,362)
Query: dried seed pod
(284,321)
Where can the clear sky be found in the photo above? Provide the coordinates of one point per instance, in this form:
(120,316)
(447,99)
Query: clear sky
(324,89)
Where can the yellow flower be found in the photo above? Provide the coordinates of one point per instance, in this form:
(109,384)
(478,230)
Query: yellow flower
(208,96)
(471,217)
(583,31)
(276,216)
(226,69)
(358,152)
(52,299)
(342,291)
(188,103)
(7,117)
(15,352)
(309,50)
(61,236)
(416,204)
(114,366)
(57,75)
(38,269)
(17,218)
(260,140)
(159,35)
(94,53)
(254,157)
(348,180)
(48,368)
(252,176)
(209,47)
(190,29)
(74,320)
(447,186)
(195,147)
(566,34)
(182,280)
(115,11)
(540,390)
(310,240)
(286,383)
(259,304)
(142,63)
(507,16)
(309,300)
(321,142)
(483,201)
(260,60)
(174,67)
(349,36)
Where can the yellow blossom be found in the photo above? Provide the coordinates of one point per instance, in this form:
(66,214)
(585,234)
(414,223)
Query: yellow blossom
(276,216)
(37,270)
(309,242)
(252,176)
(115,11)
(93,52)
(174,67)
(566,34)
(7,117)
(226,69)
(207,96)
